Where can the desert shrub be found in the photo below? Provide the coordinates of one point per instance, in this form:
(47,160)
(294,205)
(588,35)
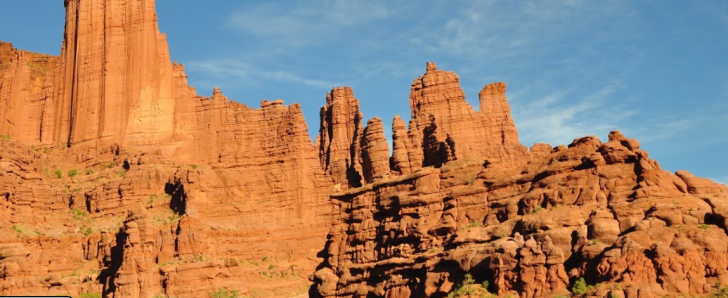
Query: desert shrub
(580,287)
(224,293)
(72,173)
(719,291)
(465,289)
(59,174)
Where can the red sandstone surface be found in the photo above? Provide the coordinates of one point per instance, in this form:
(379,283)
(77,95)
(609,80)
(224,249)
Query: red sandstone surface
(117,179)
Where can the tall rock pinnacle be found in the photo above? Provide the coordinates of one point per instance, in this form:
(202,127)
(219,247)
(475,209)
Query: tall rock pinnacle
(448,128)
(116,79)
(340,137)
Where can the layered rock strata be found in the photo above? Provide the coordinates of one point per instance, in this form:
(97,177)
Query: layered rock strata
(604,212)
(117,179)
(449,129)
(340,137)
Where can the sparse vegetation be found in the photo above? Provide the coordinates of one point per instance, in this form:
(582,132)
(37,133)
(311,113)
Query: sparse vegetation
(59,174)
(89,171)
(17,229)
(225,293)
(473,224)
(174,218)
(193,166)
(90,295)
(7,136)
(88,231)
(704,226)
(719,291)
(468,289)
(120,173)
(593,242)
(72,173)
(435,250)
(79,214)
(267,274)
(580,287)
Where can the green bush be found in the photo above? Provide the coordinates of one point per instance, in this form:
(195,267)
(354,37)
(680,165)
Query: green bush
(224,293)
(580,287)
(59,174)
(193,166)
(465,289)
(89,171)
(72,173)
(719,291)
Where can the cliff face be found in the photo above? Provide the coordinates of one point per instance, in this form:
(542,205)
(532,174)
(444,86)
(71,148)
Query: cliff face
(116,178)
(115,76)
(600,211)
(449,129)
(220,182)
(25,86)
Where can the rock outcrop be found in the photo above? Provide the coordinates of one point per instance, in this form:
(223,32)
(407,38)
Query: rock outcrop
(25,86)
(340,137)
(449,129)
(604,212)
(117,179)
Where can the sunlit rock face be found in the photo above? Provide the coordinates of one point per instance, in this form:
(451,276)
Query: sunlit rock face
(117,179)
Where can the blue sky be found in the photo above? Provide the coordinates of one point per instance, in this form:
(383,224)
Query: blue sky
(655,69)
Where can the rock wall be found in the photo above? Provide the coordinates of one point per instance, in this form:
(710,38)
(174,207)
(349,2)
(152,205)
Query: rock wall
(600,211)
(116,178)
(449,129)
(340,137)
(25,86)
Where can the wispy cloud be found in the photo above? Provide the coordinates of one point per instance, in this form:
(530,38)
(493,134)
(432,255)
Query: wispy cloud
(303,23)
(558,119)
(244,73)
(572,66)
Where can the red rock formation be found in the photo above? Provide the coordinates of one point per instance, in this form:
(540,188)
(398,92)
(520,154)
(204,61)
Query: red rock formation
(402,162)
(24,90)
(116,78)
(116,178)
(601,211)
(249,187)
(449,129)
(340,135)
(375,151)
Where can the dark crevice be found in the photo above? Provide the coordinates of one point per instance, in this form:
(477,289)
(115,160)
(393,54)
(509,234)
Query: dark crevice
(108,275)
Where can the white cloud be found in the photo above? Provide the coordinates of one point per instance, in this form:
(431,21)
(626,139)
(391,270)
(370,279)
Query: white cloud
(305,23)
(244,73)
(537,44)
(557,118)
